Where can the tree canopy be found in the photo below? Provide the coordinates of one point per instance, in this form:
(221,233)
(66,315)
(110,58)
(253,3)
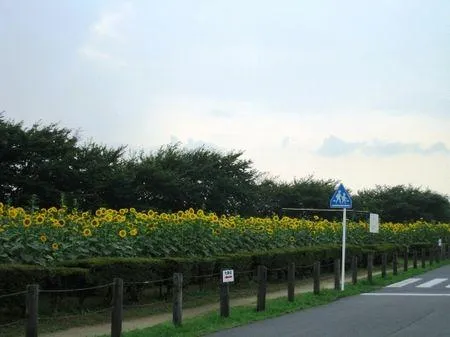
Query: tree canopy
(46,165)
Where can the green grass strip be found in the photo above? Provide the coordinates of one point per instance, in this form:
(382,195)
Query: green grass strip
(212,322)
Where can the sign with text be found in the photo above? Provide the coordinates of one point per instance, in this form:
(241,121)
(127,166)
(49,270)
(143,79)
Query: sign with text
(374,224)
(227,275)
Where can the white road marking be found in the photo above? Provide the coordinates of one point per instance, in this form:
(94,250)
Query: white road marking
(405,294)
(404,283)
(432,283)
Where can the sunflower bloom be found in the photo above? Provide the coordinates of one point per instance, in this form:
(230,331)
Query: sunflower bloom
(43,238)
(26,222)
(55,246)
(87,232)
(122,233)
(133,232)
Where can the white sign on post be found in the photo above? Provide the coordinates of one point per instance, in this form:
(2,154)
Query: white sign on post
(228,275)
(374,223)
(440,242)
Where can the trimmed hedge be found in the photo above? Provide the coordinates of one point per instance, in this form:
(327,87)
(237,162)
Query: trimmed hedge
(15,278)
(102,270)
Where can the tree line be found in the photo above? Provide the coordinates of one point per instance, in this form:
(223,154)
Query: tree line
(47,165)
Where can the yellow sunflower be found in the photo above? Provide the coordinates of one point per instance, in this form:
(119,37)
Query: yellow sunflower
(122,233)
(87,232)
(26,222)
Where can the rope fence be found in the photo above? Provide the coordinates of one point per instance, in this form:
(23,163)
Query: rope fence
(148,282)
(49,291)
(13,294)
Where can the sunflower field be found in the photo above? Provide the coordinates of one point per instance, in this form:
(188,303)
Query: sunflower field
(47,236)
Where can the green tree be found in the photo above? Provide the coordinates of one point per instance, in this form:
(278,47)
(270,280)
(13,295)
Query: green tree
(100,177)
(273,196)
(35,162)
(174,178)
(404,203)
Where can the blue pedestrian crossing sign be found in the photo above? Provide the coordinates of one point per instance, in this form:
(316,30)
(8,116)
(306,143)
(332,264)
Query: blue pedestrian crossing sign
(341,198)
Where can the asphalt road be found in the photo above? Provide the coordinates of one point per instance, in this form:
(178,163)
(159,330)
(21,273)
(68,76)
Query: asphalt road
(419,307)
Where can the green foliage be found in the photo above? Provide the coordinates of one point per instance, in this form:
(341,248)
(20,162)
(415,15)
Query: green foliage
(174,178)
(404,204)
(16,277)
(103,270)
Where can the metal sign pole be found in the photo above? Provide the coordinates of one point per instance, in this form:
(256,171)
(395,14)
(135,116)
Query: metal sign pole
(344,234)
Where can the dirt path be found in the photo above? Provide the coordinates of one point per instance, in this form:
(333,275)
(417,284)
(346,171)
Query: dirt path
(144,322)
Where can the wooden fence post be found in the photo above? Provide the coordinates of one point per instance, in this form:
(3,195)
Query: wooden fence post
(415,259)
(32,305)
(337,274)
(383,265)
(177,309)
(394,264)
(117,311)
(405,259)
(354,269)
(423,257)
(369,267)
(224,297)
(316,276)
(262,288)
(291,282)
(431,250)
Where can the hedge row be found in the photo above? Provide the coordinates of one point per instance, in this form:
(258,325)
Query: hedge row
(97,271)
(16,277)
(101,271)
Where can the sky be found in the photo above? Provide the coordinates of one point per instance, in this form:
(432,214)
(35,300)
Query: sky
(355,91)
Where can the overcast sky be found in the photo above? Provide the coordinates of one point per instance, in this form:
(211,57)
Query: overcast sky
(357,91)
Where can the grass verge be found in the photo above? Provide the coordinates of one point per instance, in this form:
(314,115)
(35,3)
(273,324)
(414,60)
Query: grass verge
(209,323)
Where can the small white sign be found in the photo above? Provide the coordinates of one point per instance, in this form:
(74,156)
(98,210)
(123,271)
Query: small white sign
(374,223)
(440,242)
(228,275)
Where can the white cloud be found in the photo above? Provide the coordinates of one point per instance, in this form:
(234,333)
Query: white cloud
(109,23)
(106,33)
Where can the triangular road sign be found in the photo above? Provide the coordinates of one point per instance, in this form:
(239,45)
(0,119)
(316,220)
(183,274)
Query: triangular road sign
(341,198)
